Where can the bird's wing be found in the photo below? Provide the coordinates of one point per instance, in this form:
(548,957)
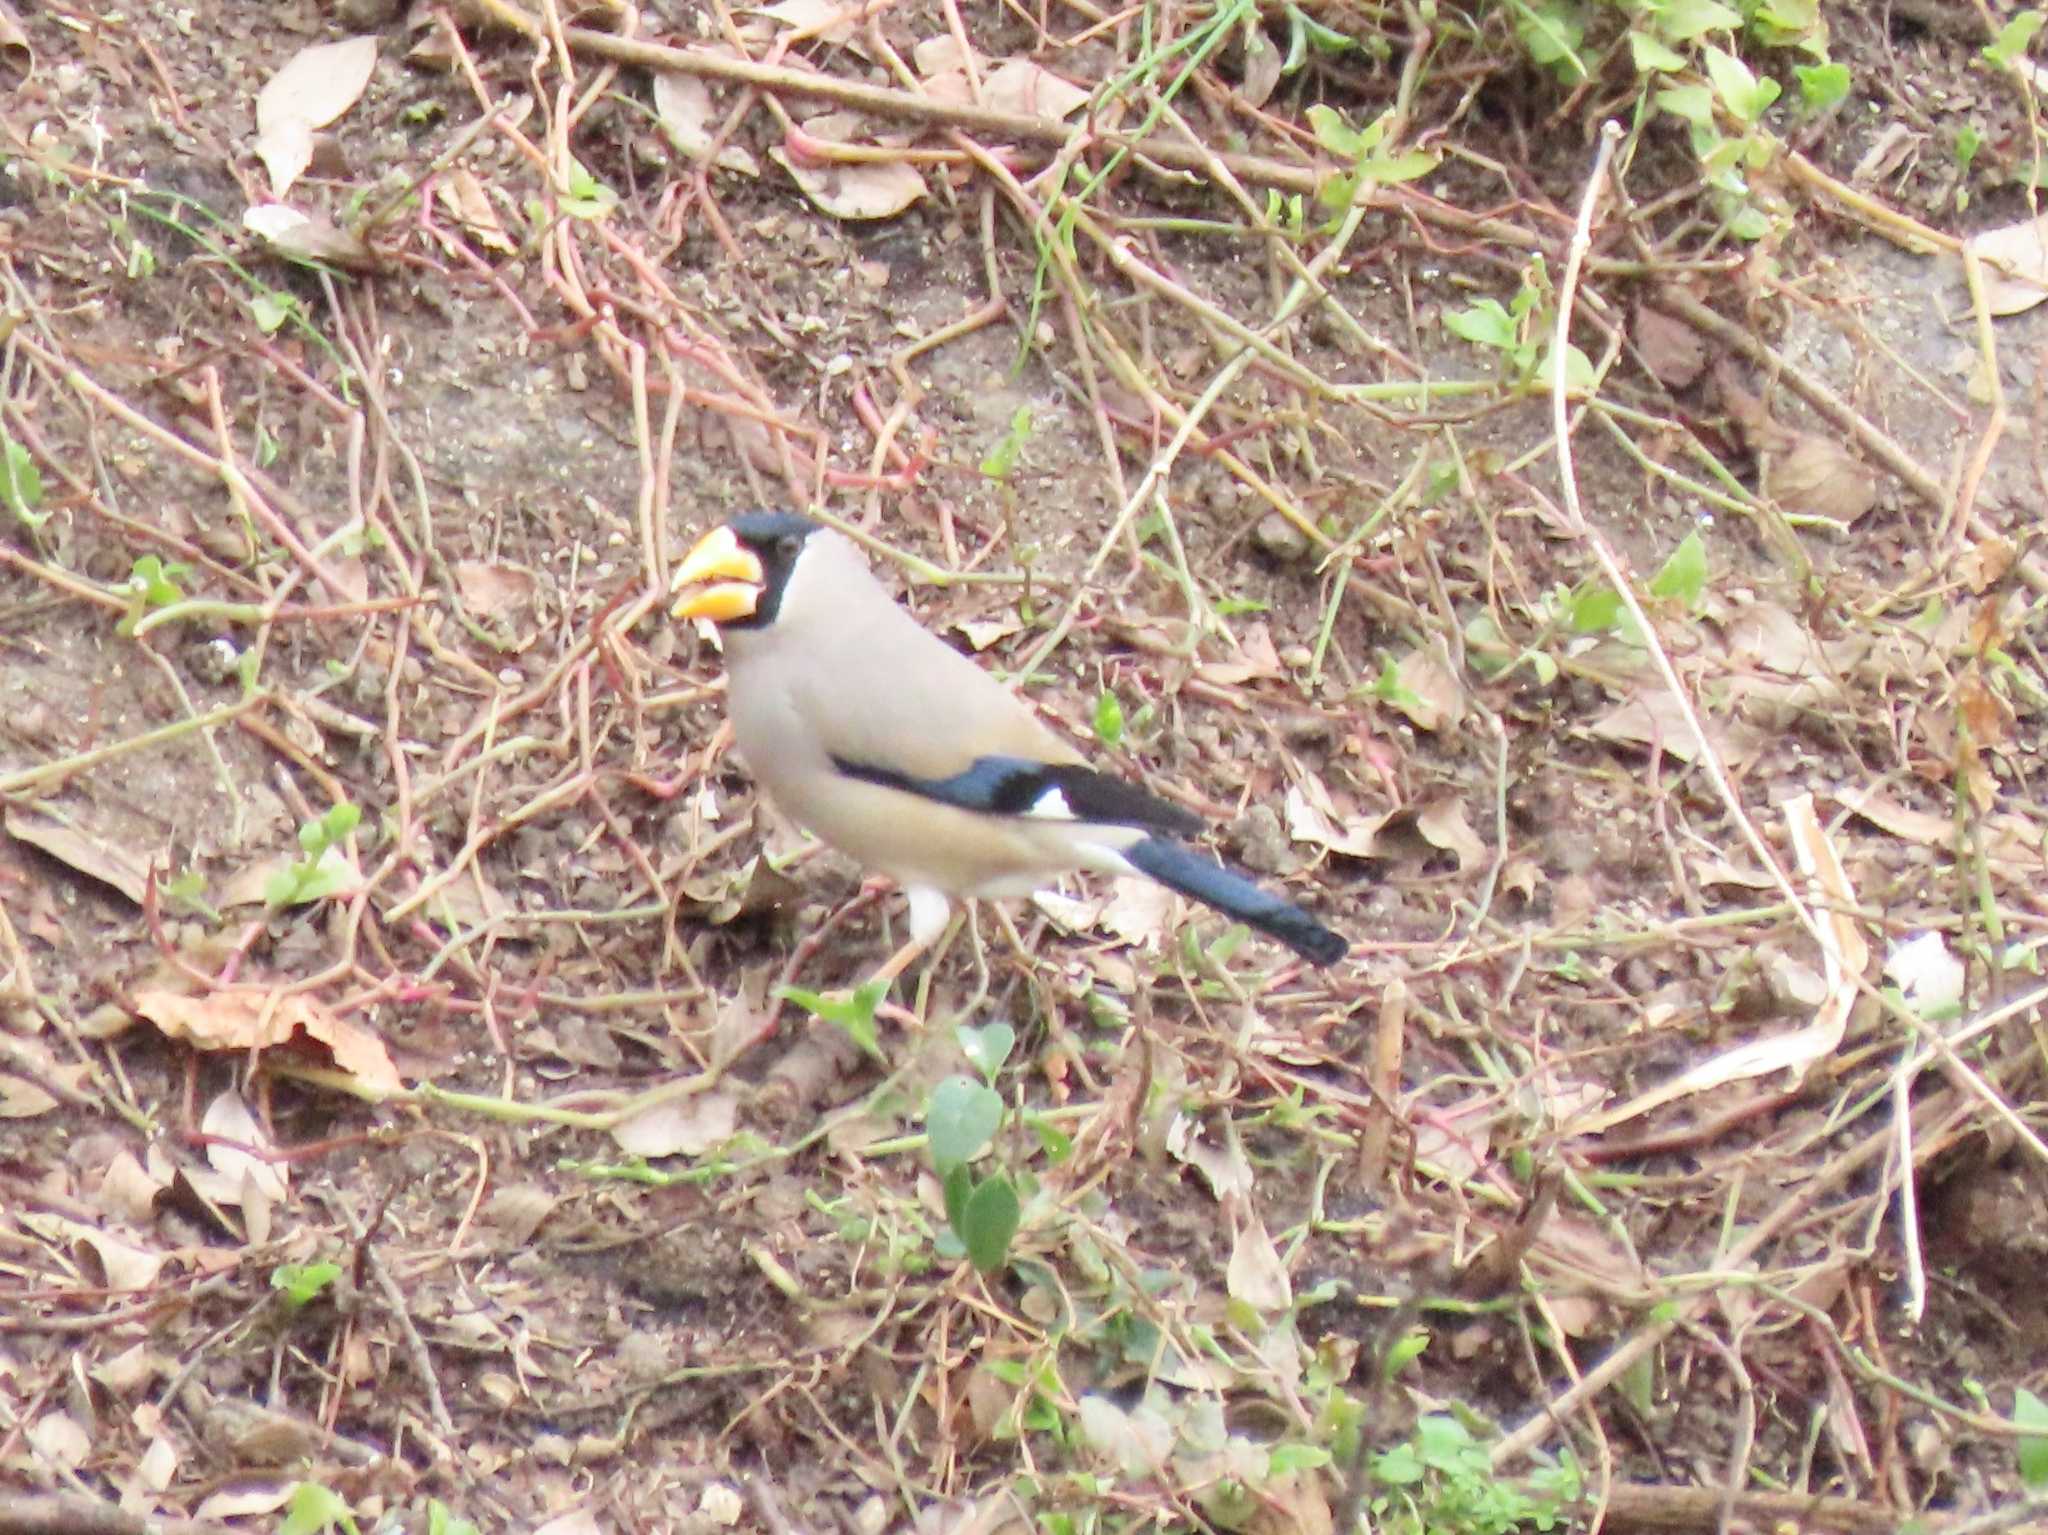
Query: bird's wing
(1047,791)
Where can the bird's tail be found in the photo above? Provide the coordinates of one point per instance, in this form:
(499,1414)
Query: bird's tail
(1181,868)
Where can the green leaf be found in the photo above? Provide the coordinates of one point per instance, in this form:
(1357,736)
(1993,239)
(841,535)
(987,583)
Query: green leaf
(21,483)
(1689,103)
(988,1223)
(1334,134)
(1744,95)
(1404,1353)
(1821,85)
(1551,33)
(2029,1413)
(959,1187)
(1392,170)
(986,1048)
(303,1283)
(959,1120)
(2015,37)
(1684,575)
(314,1510)
(157,583)
(270,309)
(1052,1140)
(586,197)
(1485,323)
(1578,369)
(1595,609)
(1109,719)
(441,1520)
(1651,54)
(1001,462)
(854,1012)
(1285,1458)
(1683,20)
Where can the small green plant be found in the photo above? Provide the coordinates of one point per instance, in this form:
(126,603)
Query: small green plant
(854,1012)
(324,870)
(1002,459)
(303,1283)
(316,1510)
(1519,333)
(21,484)
(961,1119)
(1109,720)
(586,197)
(152,584)
(1372,164)
(271,308)
(1440,1482)
(2030,1416)
(186,896)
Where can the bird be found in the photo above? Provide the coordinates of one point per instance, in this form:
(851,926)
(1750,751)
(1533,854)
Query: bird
(878,737)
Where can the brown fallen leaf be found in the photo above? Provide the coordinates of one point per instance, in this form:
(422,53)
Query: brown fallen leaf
(315,86)
(255,1018)
(1672,350)
(15,54)
(1443,825)
(113,867)
(301,236)
(2015,261)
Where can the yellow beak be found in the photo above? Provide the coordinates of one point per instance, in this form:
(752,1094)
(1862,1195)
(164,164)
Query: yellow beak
(732,571)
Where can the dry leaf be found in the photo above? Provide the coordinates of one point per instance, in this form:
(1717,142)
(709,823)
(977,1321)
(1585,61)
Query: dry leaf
(1428,691)
(253,1018)
(1262,66)
(15,52)
(493,591)
(1019,85)
(464,197)
(832,20)
(1818,477)
(240,1499)
(684,106)
(1672,350)
(868,189)
(1443,825)
(22,1099)
(57,1438)
(236,1154)
(1886,154)
(1653,717)
(681,1127)
(316,86)
(980,633)
(1139,1441)
(2015,260)
(300,236)
(1313,817)
(1225,1167)
(111,866)
(1255,1274)
(129,1190)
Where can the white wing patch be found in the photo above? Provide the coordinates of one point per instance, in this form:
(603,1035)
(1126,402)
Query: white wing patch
(1051,806)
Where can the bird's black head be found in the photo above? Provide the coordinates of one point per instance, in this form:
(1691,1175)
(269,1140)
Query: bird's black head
(747,563)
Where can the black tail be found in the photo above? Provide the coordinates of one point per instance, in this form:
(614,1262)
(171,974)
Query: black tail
(1181,868)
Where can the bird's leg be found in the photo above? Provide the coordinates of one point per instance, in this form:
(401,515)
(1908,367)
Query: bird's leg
(929,911)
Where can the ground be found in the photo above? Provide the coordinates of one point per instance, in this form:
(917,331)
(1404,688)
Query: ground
(429,1089)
